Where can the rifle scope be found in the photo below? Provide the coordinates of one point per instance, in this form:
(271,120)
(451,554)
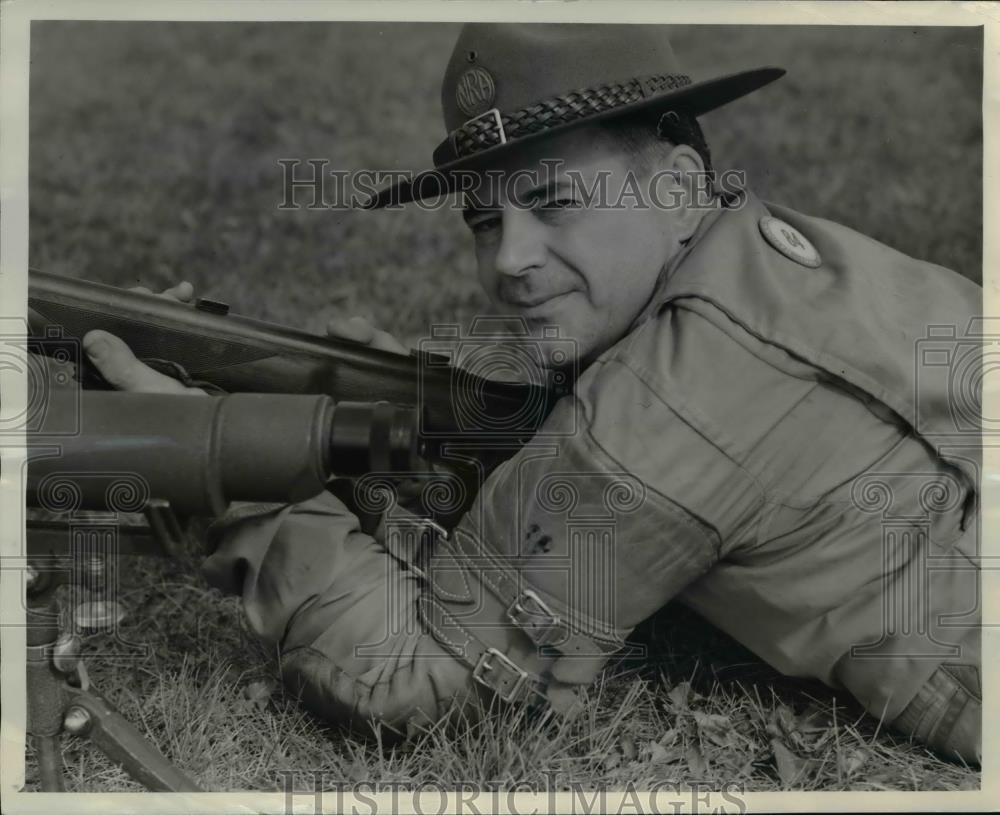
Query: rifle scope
(200,453)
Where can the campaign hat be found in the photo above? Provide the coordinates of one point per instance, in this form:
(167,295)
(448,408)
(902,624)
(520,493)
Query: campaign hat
(507,85)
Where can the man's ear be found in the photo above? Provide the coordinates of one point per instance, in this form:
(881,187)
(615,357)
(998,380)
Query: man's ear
(688,170)
(685,158)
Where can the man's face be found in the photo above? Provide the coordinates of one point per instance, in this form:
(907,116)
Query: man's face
(548,257)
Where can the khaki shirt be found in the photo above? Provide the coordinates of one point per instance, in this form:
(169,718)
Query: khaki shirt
(783,463)
(765,444)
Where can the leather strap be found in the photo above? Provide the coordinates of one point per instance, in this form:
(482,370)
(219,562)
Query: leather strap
(412,539)
(490,666)
(444,566)
(547,623)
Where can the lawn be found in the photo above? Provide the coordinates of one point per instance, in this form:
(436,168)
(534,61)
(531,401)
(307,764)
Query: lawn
(154,152)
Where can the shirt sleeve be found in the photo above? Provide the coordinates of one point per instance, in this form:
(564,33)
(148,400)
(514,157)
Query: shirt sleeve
(585,515)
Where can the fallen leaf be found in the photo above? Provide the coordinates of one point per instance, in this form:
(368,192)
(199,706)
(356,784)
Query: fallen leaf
(668,737)
(655,752)
(852,761)
(784,717)
(815,719)
(790,766)
(696,762)
(680,694)
(715,728)
(783,726)
(259,692)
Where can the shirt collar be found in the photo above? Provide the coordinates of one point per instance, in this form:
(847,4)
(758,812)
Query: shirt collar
(659,295)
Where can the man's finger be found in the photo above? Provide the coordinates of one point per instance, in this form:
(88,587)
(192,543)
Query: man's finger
(183,291)
(386,342)
(356,329)
(116,362)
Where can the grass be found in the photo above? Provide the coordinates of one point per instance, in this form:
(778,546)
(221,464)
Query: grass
(154,158)
(697,709)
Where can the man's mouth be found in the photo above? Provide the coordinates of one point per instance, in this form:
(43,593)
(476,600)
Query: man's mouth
(529,303)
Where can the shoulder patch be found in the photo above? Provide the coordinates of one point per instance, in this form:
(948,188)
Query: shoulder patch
(789,241)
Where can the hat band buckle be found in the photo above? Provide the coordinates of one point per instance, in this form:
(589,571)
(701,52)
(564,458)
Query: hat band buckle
(495,113)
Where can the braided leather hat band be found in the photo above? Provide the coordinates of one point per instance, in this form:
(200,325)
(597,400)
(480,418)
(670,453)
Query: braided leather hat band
(485,131)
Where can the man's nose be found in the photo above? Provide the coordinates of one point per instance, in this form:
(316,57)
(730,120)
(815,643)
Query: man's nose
(522,245)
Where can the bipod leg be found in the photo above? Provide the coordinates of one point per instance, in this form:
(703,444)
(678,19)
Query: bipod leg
(45,689)
(57,704)
(89,714)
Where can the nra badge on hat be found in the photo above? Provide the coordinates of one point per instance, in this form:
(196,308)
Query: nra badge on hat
(789,241)
(475,91)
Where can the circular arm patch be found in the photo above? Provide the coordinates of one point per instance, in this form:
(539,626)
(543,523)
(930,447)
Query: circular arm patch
(789,241)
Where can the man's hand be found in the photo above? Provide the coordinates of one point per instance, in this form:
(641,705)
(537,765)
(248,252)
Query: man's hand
(119,366)
(358,329)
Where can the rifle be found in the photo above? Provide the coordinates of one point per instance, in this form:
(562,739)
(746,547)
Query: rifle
(204,342)
(466,423)
(330,407)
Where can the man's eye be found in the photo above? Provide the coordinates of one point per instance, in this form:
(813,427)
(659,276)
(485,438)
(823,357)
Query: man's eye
(559,205)
(483,224)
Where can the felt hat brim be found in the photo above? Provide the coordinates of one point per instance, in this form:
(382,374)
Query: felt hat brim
(695,99)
